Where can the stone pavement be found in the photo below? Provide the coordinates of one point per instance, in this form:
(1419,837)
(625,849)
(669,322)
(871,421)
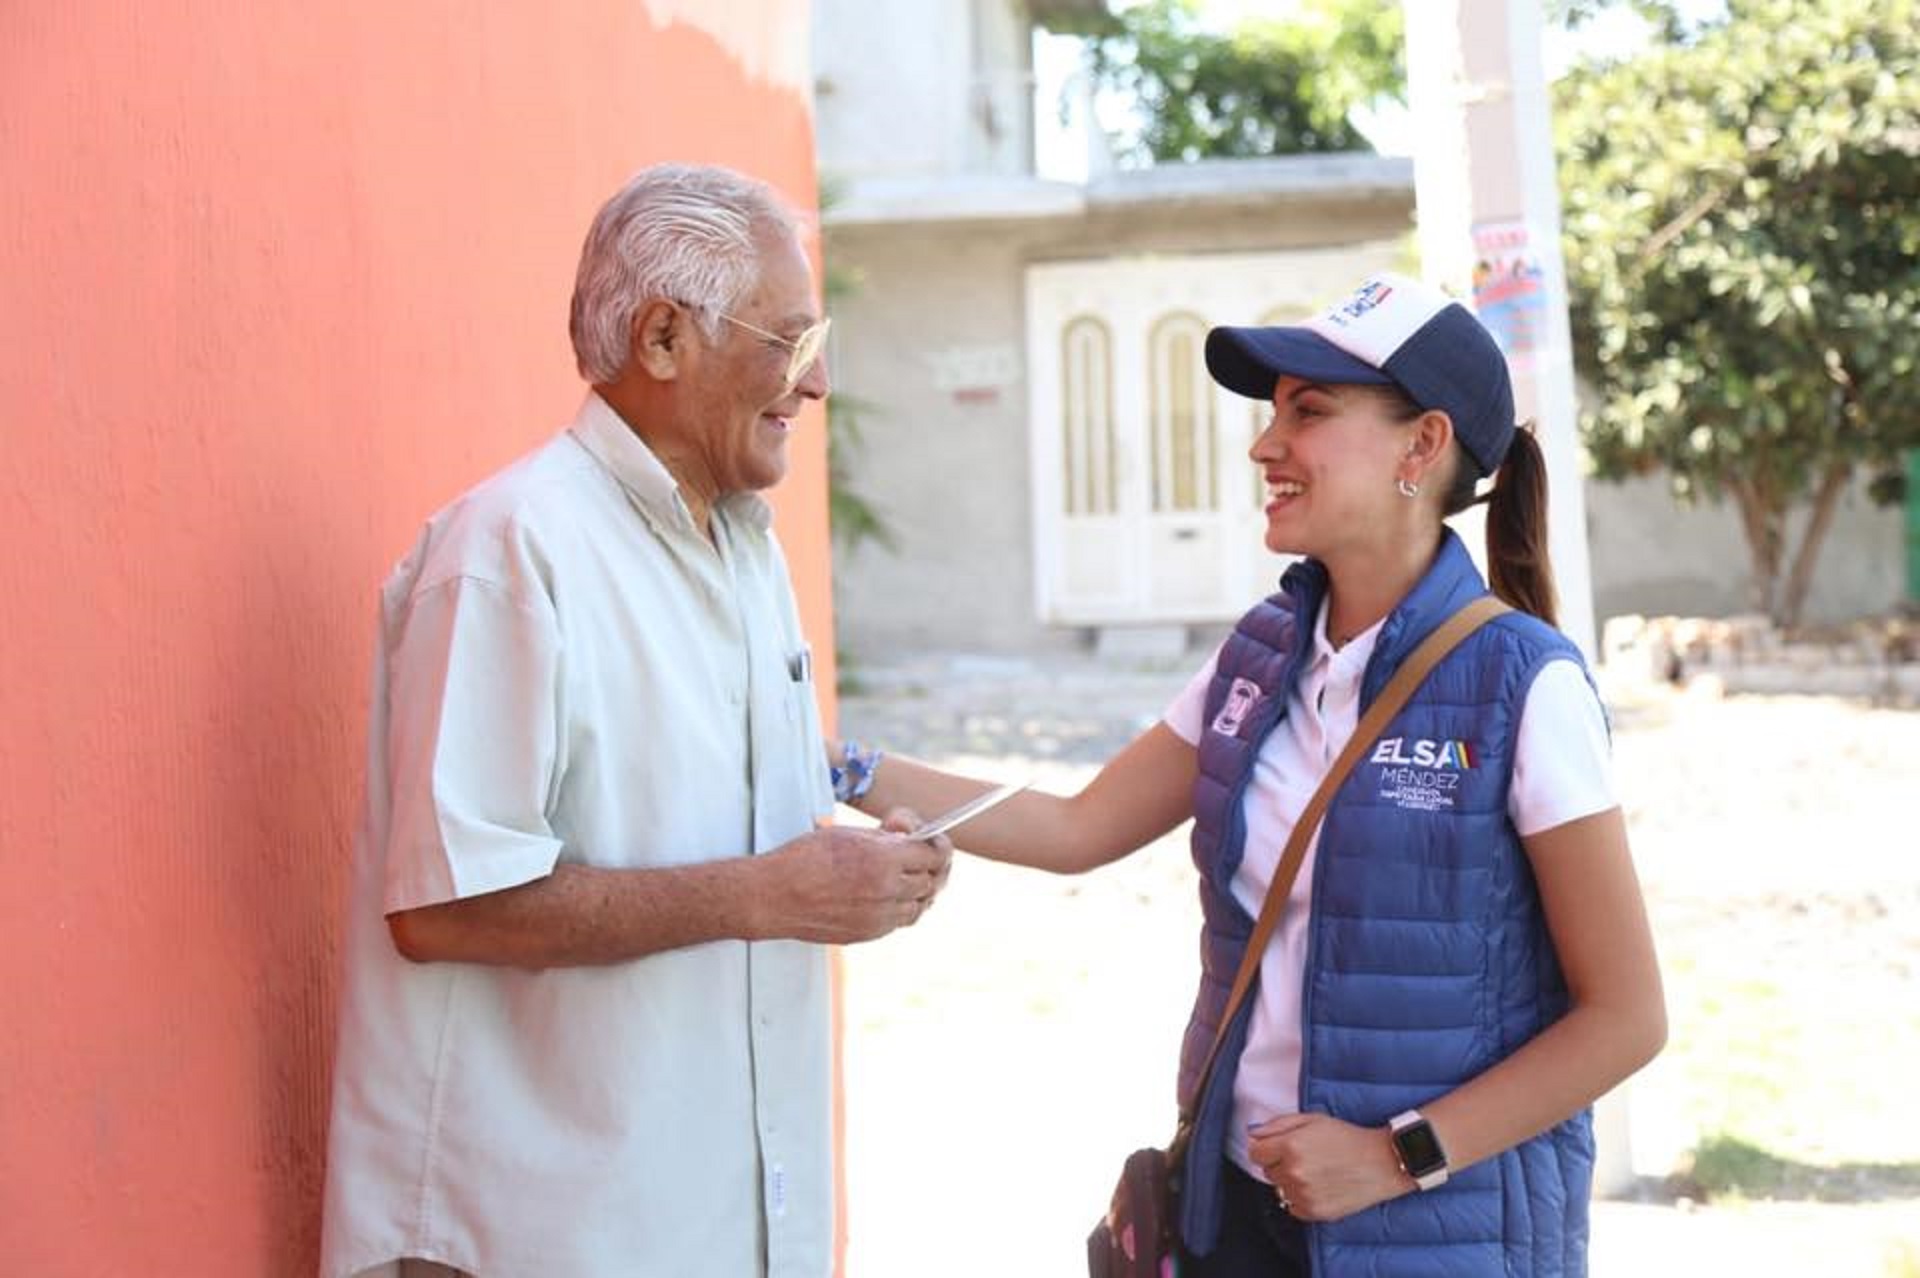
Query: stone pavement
(1002,1057)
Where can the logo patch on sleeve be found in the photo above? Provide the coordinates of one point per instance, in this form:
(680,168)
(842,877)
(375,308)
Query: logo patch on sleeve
(1422,775)
(1241,699)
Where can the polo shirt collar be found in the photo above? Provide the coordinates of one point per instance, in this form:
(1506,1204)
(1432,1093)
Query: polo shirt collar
(1354,655)
(616,446)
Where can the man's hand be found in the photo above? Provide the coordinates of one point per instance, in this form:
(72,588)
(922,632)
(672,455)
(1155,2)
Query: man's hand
(836,885)
(902,820)
(1323,1168)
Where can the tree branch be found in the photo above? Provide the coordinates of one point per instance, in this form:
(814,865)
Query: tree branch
(1674,229)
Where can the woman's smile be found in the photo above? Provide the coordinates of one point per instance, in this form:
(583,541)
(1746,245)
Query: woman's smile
(1281,493)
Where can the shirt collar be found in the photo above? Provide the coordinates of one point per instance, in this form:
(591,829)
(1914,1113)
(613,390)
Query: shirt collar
(619,448)
(1353,656)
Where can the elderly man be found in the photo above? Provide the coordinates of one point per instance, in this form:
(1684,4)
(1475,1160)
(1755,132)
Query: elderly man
(584,1028)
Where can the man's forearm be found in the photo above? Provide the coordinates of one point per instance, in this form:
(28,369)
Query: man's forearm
(833,886)
(582,915)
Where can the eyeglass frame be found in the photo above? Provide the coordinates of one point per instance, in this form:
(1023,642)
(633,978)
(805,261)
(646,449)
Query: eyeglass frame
(806,349)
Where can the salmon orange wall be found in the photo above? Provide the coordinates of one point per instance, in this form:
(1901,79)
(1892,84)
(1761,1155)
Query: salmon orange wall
(276,280)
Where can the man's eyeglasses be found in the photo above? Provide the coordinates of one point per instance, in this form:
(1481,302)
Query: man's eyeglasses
(804,349)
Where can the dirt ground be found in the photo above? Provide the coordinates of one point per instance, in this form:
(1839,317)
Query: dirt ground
(1002,1057)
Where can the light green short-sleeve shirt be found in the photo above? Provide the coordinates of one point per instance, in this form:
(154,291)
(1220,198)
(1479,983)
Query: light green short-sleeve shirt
(569,670)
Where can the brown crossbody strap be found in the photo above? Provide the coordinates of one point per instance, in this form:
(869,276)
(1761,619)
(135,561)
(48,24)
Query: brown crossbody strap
(1384,707)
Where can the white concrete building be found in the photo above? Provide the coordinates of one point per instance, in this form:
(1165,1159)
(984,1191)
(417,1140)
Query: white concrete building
(1040,432)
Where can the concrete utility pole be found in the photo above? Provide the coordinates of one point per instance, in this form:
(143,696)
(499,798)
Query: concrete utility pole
(1489,218)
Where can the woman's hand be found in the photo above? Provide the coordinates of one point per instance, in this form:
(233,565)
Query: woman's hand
(1323,1168)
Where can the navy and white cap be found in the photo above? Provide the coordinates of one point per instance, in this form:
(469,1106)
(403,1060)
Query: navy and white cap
(1392,330)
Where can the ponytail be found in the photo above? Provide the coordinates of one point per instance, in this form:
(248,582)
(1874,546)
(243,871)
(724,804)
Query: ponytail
(1517,560)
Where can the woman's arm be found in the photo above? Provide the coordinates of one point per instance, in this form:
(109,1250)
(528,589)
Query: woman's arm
(1139,795)
(1617,1023)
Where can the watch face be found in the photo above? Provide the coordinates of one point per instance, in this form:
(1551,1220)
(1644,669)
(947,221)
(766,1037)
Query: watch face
(1419,1149)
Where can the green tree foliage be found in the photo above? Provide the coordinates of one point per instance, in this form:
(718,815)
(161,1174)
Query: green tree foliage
(1268,87)
(1742,218)
(852,519)
(1661,16)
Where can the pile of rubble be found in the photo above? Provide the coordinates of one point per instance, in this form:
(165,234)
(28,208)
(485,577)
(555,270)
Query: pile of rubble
(1875,658)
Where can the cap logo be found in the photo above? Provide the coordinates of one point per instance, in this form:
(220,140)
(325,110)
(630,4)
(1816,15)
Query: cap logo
(1380,315)
(1370,295)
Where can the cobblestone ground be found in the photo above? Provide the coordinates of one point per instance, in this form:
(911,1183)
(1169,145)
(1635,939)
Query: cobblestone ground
(1002,1057)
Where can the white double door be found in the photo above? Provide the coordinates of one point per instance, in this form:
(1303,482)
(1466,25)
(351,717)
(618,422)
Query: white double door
(1146,507)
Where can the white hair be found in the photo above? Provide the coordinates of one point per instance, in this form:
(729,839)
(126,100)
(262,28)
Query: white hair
(685,232)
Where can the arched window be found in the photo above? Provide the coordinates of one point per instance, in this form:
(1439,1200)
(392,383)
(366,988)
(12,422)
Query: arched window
(1183,440)
(1088,451)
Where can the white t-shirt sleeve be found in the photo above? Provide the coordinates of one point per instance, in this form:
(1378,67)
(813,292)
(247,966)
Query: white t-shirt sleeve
(1186,711)
(1562,765)
(472,745)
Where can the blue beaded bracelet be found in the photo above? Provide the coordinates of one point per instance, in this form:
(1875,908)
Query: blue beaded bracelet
(853,778)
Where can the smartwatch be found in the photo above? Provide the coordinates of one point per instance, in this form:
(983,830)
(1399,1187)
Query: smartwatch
(1418,1148)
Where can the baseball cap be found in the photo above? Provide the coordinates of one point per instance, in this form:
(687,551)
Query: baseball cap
(1392,330)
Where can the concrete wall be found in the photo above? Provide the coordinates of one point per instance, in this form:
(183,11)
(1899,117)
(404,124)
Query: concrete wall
(924,87)
(1654,557)
(279,279)
(949,475)
(949,467)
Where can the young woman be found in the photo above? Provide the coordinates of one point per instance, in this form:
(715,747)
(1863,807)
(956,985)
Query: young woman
(1464,962)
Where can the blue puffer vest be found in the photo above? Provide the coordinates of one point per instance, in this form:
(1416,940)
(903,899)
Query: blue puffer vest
(1428,956)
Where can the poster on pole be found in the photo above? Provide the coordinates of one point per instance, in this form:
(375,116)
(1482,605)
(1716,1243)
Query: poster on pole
(1510,288)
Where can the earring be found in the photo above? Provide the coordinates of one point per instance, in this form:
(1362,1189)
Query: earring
(1406,489)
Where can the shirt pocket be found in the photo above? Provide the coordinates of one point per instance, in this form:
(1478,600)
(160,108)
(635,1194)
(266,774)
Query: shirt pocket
(803,729)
